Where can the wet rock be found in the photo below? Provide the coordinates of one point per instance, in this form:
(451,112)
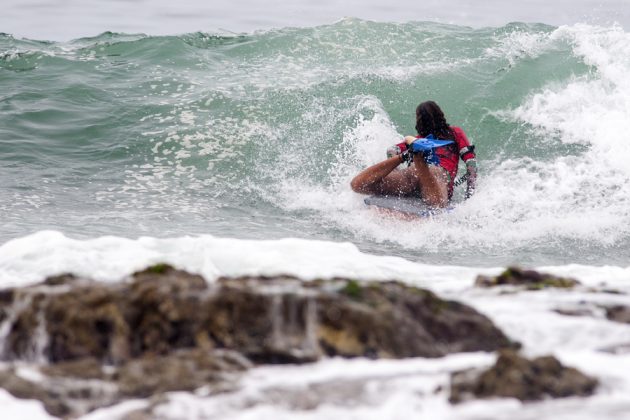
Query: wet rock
(71,389)
(618,313)
(154,313)
(61,279)
(163,307)
(516,377)
(343,318)
(86,321)
(23,319)
(184,370)
(6,297)
(88,368)
(22,388)
(532,280)
(390,319)
(6,302)
(269,320)
(167,330)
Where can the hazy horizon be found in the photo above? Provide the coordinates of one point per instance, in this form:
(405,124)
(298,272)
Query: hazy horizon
(62,20)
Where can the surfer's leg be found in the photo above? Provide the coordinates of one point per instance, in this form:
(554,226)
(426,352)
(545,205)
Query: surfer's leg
(433,182)
(382,179)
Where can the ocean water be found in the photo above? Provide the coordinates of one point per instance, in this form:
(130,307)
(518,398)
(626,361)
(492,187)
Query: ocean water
(257,136)
(223,142)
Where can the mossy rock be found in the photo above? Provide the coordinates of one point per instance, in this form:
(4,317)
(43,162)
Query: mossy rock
(513,376)
(530,279)
(158,269)
(267,319)
(352,289)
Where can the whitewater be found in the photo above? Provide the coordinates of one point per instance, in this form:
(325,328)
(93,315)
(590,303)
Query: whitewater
(230,154)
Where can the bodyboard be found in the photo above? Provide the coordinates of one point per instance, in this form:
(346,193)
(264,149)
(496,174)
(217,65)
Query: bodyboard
(427,144)
(404,206)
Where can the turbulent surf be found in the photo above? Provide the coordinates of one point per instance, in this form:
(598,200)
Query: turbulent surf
(257,136)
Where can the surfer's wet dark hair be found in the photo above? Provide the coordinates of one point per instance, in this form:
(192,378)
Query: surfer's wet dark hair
(430,120)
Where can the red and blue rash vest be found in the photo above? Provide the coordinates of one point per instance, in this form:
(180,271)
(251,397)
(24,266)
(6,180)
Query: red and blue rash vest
(449,158)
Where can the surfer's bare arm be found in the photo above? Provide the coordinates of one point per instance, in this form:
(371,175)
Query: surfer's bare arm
(471,180)
(433,183)
(382,179)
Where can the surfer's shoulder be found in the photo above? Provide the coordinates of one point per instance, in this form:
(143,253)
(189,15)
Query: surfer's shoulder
(458,131)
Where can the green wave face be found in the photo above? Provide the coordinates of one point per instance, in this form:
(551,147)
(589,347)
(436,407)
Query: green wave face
(258,135)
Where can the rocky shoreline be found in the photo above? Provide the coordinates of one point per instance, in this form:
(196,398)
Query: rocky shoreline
(89,345)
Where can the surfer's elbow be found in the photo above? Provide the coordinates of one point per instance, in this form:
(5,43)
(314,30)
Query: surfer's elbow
(357,185)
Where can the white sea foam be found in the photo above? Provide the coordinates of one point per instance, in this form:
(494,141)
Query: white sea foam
(15,408)
(30,259)
(593,110)
(519,44)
